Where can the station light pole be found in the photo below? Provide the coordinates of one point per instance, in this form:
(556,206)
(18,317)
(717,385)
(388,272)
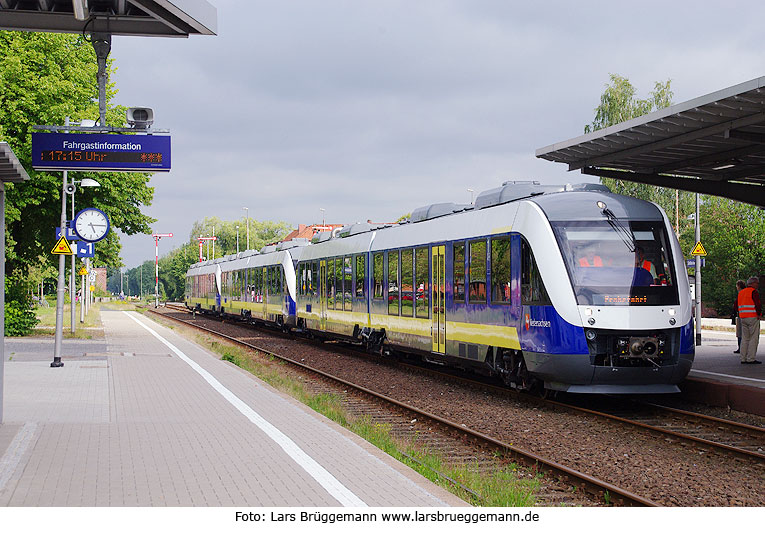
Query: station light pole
(247,212)
(85,182)
(157,237)
(237,240)
(698,277)
(60,288)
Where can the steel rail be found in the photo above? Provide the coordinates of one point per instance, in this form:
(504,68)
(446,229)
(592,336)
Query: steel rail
(657,429)
(592,484)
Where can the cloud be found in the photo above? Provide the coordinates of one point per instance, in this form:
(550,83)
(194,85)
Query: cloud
(370,110)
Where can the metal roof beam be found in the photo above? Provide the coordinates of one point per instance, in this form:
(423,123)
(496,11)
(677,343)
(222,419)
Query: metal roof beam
(65,22)
(670,141)
(745,136)
(747,193)
(705,160)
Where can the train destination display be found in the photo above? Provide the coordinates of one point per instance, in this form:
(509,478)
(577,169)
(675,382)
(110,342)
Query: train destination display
(100,152)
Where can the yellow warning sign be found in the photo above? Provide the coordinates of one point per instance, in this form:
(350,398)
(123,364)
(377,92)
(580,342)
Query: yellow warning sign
(62,247)
(699,249)
(83,271)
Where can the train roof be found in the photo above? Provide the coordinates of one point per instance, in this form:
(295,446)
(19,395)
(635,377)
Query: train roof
(493,212)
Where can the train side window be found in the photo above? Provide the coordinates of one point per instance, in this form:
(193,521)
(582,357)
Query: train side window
(393,289)
(280,280)
(459,272)
(407,282)
(477,272)
(347,283)
(339,283)
(361,272)
(313,279)
(330,283)
(533,290)
(501,274)
(300,280)
(377,276)
(422,278)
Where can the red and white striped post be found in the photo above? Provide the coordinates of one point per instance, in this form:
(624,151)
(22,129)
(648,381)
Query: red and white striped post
(203,239)
(157,237)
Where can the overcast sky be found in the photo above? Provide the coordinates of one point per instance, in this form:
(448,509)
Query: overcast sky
(372,109)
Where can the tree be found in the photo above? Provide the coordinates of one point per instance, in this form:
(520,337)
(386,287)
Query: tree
(733,233)
(45,77)
(618,103)
(261,233)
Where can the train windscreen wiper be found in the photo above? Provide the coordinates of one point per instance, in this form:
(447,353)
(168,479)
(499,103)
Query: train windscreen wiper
(624,233)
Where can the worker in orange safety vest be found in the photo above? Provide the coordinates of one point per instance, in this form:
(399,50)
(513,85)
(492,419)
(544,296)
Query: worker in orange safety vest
(750,313)
(642,262)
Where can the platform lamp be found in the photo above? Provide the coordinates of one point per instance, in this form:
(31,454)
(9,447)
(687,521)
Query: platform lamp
(247,212)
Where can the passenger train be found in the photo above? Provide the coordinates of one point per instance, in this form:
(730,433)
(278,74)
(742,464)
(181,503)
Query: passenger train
(554,288)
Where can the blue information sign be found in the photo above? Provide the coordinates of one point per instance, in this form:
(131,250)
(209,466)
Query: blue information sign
(71,235)
(86,249)
(100,152)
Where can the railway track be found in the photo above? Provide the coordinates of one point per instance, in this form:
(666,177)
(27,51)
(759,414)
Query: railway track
(452,442)
(711,433)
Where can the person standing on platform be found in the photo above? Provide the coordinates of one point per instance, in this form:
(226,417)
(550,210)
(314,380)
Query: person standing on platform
(740,284)
(750,313)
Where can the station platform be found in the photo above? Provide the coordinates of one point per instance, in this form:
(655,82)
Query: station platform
(718,378)
(149,418)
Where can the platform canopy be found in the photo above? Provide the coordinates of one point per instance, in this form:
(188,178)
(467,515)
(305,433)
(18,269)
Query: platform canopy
(11,169)
(159,18)
(714,144)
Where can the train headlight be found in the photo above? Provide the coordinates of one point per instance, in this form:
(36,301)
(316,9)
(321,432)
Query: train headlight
(590,334)
(671,312)
(672,321)
(591,321)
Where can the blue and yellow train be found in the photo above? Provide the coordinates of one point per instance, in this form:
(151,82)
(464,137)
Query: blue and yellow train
(566,288)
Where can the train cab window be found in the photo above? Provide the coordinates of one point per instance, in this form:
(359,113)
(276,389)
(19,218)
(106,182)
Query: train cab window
(501,274)
(377,276)
(407,282)
(477,272)
(632,260)
(361,271)
(393,283)
(422,282)
(459,273)
(533,290)
(330,283)
(347,284)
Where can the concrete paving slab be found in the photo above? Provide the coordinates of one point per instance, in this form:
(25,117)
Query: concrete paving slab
(155,420)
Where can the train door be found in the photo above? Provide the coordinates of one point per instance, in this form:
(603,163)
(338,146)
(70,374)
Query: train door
(323,295)
(438,298)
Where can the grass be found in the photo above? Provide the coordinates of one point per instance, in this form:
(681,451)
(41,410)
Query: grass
(498,488)
(47,325)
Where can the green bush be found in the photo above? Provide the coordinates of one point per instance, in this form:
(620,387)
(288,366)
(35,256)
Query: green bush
(19,319)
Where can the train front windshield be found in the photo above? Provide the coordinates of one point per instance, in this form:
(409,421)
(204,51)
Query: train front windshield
(627,263)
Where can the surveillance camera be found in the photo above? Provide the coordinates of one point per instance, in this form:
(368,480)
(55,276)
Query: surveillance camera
(140,117)
(70,188)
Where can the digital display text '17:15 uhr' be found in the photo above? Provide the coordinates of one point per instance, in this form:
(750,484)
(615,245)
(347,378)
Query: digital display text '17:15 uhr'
(104,157)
